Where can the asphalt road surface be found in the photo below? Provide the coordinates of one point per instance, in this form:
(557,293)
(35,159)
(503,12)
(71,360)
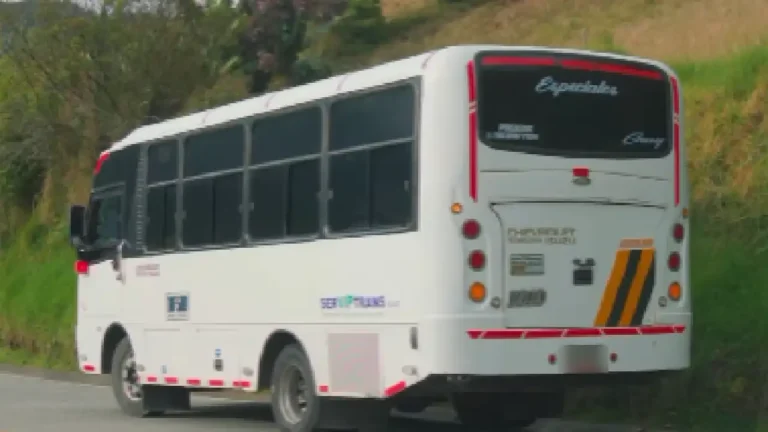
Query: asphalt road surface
(40,404)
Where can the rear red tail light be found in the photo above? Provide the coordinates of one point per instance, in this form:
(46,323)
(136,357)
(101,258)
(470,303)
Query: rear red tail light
(674,261)
(477,260)
(678,232)
(81,267)
(471,229)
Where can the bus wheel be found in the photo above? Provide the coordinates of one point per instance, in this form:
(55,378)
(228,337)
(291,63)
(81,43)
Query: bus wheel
(493,411)
(125,381)
(295,405)
(137,400)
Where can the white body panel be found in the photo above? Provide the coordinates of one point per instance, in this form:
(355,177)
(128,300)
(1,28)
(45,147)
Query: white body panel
(239,297)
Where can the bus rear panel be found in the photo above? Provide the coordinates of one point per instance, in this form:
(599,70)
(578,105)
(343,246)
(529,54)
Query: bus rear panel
(576,188)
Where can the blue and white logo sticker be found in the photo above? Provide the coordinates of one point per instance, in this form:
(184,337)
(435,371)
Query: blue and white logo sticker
(349,301)
(177,306)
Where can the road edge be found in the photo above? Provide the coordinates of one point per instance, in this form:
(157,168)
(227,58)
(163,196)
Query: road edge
(104,381)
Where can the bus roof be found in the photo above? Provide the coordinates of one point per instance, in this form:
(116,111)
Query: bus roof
(365,78)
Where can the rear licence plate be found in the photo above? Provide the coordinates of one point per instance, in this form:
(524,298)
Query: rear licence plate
(584,359)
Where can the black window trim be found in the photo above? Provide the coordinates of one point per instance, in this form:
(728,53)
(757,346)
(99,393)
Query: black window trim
(322,105)
(416,145)
(559,56)
(144,152)
(180,214)
(116,189)
(324,231)
(145,193)
(159,185)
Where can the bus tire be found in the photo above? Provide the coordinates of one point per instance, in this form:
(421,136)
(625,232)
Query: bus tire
(493,411)
(295,404)
(136,400)
(125,387)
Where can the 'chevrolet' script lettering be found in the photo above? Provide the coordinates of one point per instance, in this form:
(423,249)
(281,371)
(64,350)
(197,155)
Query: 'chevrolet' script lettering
(636,138)
(549,85)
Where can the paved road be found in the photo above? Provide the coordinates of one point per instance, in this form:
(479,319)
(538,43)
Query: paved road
(35,404)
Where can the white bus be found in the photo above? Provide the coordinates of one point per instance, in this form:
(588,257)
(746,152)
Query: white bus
(488,225)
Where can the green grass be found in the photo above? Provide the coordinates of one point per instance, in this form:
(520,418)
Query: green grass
(37,300)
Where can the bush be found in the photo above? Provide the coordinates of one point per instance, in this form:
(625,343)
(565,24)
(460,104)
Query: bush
(361,27)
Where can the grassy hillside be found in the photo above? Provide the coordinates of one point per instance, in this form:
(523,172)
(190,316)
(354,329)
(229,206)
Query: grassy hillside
(718,48)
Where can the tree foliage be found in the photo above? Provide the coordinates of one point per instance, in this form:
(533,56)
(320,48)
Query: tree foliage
(276,33)
(74,79)
(75,82)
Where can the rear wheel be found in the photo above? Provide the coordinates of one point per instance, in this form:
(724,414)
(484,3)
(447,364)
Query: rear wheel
(295,405)
(494,411)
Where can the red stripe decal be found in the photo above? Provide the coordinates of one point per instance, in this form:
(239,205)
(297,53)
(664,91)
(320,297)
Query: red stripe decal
(171,380)
(394,389)
(543,333)
(553,333)
(89,368)
(621,331)
(611,68)
(472,90)
(474,334)
(502,334)
(655,330)
(152,379)
(241,384)
(676,134)
(517,61)
(322,389)
(582,332)
(216,383)
(194,381)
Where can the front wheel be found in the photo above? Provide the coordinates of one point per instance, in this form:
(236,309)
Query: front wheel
(137,400)
(125,381)
(295,405)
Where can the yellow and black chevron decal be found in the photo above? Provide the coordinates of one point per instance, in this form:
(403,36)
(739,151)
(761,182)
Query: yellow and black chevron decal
(629,288)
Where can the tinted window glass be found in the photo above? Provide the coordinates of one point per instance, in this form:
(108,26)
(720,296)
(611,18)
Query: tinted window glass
(212,151)
(293,134)
(349,207)
(104,220)
(373,117)
(108,171)
(163,162)
(160,226)
(228,191)
(304,185)
(197,229)
(558,110)
(266,219)
(118,167)
(391,200)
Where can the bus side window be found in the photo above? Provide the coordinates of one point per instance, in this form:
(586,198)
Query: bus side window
(371,160)
(104,216)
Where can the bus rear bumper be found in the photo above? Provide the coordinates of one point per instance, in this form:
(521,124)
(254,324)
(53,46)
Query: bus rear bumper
(488,351)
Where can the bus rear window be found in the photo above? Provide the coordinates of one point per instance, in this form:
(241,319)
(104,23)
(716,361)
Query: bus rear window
(573,106)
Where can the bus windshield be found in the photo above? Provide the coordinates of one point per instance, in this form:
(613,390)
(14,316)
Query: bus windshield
(573,106)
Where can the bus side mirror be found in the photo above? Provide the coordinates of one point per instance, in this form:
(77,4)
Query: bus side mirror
(76,225)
